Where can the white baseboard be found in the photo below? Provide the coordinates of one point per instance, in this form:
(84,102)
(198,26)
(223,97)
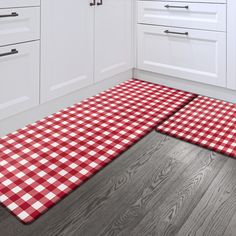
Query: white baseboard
(194,87)
(22,119)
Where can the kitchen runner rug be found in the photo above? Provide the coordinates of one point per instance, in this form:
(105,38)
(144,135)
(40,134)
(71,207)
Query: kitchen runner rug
(207,122)
(43,162)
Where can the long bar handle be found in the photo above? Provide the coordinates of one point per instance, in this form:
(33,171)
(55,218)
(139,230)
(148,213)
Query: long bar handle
(182,7)
(13,14)
(172,32)
(12,52)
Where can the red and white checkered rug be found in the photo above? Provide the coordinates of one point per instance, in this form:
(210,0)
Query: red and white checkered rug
(207,122)
(41,163)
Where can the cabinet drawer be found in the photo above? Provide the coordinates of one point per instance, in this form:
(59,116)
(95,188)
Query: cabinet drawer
(199,56)
(182,14)
(202,1)
(19,25)
(19,3)
(19,81)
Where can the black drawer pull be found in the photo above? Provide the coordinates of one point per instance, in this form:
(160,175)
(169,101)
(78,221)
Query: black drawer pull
(12,52)
(13,14)
(171,32)
(100,3)
(182,7)
(93,3)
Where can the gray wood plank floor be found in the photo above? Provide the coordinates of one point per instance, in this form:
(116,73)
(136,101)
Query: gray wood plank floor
(160,186)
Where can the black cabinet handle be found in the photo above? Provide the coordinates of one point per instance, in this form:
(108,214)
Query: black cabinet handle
(93,3)
(171,32)
(12,52)
(182,7)
(100,3)
(13,14)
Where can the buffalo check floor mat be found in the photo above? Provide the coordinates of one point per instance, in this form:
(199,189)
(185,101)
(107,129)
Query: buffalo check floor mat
(43,162)
(207,122)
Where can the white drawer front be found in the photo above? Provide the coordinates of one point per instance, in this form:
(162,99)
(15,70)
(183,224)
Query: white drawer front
(19,81)
(19,25)
(199,56)
(202,1)
(182,14)
(19,3)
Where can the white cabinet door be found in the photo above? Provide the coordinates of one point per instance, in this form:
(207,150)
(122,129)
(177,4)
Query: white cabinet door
(66,47)
(113,38)
(19,81)
(189,54)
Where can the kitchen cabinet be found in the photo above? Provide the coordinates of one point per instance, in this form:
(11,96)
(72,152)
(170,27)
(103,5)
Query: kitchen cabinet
(113,38)
(183,14)
(19,25)
(186,40)
(200,1)
(185,53)
(19,3)
(67,47)
(83,42)
(19,88)
(19,56)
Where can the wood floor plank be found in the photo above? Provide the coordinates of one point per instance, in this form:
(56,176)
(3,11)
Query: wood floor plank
(168,211)
(231,229)
(217,208)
